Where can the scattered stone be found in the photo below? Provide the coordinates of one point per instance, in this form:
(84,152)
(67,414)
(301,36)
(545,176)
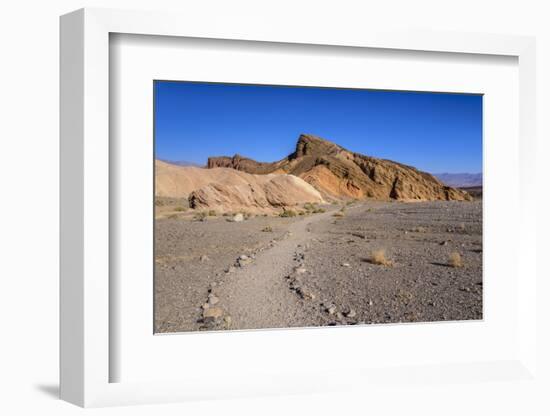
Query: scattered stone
(371,302)
(305,295)
(205,305)
(351,314)
(214,312)
(238,217)
(204,258)
(345,264)
(331,310)
(243,261)
(300,270)
(212,299)
(443,243)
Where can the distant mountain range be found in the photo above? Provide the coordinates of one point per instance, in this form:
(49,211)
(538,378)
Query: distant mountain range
(460,180)
(182,163)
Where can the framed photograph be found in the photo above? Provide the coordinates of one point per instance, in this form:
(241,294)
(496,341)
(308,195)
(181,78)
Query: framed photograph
(250,212)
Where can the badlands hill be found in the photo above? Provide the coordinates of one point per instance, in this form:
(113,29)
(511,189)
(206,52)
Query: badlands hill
(224,189)
(339,173)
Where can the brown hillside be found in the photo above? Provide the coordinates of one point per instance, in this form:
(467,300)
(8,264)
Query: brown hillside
(339,173)
(226,189)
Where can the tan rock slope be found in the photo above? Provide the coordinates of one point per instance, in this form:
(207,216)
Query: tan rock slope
(338,173)
(225,189)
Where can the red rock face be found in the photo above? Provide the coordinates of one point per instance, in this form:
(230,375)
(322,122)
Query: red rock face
(338,173)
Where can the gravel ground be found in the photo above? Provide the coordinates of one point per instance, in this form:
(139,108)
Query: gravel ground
(317,270)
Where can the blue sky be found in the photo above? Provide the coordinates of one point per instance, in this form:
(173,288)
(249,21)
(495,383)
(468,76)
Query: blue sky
(431,131)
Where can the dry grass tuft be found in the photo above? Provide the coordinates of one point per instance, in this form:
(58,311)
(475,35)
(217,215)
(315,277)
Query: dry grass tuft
(212,213)
(267,229)
(180,209)
(455,260)
(339,214)
(379,257)
(200,216)
(288,213)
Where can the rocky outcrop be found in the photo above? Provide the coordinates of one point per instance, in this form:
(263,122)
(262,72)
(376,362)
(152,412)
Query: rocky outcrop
(278,191)
(339,173)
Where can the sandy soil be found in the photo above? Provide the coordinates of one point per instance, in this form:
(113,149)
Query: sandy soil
(316,270)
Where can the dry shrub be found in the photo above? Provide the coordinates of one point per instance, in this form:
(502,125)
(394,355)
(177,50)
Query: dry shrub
(338,214)
(200,216)
(455,260)
(288,213)
(212,213)
(308,206)
(180,209)
(379,257)
(267,229)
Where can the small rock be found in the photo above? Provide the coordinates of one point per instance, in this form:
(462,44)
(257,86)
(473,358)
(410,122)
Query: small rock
(204,258)
(331,310)
(243,257)
(212,299)
(443,243)
(238,217)
(214,312)
(205,305)
(345,265)
(305,295)
(300,270)
(351,314)
(243,262)
(370,302)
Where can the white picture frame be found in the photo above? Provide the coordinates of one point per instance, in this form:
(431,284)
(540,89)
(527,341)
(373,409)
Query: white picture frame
(86,355)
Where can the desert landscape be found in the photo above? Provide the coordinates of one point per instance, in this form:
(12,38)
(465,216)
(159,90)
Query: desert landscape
(324,236)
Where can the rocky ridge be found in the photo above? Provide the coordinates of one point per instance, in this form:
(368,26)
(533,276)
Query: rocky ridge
(339,173)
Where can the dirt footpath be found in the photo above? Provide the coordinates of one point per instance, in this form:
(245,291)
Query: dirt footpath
(269,272)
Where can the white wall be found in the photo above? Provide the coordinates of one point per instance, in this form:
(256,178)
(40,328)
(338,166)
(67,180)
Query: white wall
(29,179)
